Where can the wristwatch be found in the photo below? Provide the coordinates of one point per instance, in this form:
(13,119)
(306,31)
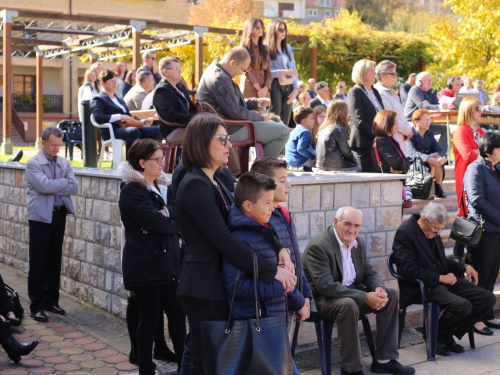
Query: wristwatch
(465,267)
(289,252)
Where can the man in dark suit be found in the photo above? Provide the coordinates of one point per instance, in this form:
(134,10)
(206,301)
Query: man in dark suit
(344,285)
(171,98)
(419,253)
(404,89)
(323,95)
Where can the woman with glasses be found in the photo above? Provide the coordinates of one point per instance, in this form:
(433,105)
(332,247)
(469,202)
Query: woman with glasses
(482,184)
(202,205)
(386,75)
(256,82)
(284,87)
(151,250)
(465,147)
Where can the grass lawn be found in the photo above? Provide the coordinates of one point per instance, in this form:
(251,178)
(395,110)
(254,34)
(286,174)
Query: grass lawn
(74,163)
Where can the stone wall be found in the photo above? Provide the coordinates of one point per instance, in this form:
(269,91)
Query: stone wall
(91,252)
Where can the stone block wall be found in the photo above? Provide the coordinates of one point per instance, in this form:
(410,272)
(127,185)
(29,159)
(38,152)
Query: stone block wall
(91,265)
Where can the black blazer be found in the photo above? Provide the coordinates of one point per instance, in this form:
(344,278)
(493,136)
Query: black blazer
(361,115)
(102,107)
(415,259)
(388,150)
(315,102)
(202,216)
(148,259)
(171,106)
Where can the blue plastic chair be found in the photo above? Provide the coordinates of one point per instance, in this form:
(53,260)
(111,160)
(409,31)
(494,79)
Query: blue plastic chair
(70,143)
(431,314)
(324,329)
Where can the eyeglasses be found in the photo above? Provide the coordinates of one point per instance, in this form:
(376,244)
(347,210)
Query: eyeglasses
(223,138)
(392,74)
(282,30)
(479,109)
(159,160)
(178,69)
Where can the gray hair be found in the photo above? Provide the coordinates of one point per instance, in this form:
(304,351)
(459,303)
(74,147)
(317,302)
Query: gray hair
(435,211)
(166,62)
(145,54)
(52,130)
(320,85)
(142,76)
(422,75)
(384,66)
(341,210)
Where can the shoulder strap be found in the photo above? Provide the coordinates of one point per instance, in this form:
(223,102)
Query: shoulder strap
(377,156)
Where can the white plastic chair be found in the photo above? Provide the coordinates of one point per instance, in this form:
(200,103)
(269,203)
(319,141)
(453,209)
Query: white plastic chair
(118,145)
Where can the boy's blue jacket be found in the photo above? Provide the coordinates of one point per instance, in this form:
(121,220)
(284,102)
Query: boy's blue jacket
(261,240)
(287,235)
(298,148)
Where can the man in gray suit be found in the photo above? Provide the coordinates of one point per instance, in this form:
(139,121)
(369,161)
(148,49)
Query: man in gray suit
(344,285)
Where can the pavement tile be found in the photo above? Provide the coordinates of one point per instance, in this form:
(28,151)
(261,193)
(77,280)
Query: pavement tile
(84,340)
(57,324)
(105,371)
(92,364)
(80,372)
(126,366)
(42,346)
(51,338)
(56,360)
(71,351)
(31,362)
(67,367)
(35,327)
(116,358)
(65,329)
(46,353)
(105,353)
(53,319)
(94,346)
(61,344)
(4,359)
(24,334)
(14,372)
(74,335)
(81,357)
(42,370)
(44,332)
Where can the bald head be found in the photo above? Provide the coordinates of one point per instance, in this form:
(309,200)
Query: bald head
(236,61)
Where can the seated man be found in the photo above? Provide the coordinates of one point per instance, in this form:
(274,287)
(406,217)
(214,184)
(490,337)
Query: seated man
(135,96)
(323,95)
(171,98)
(467,87)
(419,253)
(218,89)
(108,108)
(344,285)
(452,88)
(422,95)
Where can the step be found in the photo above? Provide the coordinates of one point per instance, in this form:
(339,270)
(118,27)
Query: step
(449,187)
(450,202)
(449,172)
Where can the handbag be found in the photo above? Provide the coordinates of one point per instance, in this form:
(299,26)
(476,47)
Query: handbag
(75,131)
(13,296)
(246,347)
(421,182)
(406,203)
(465,230)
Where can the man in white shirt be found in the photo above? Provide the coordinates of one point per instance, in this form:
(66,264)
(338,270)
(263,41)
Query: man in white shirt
(323,95)
(467,87)
(344,285)
(135,96)
(484,97)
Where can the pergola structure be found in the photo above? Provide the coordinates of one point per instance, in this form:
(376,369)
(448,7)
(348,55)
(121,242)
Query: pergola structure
(55,35)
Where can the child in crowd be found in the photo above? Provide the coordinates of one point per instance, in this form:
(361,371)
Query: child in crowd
(319,115)
(299,152)
(332,150)
(281,222)
(248,220)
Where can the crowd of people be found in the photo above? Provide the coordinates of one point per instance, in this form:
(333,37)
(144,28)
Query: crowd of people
(189,246)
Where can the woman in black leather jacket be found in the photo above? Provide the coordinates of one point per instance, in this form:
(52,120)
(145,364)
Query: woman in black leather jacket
(392,159)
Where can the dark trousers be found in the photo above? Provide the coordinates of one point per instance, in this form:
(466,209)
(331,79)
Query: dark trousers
(5,333)
(198,310)
(364,159)
(279,97)
(172,306)
(440,129)
(131,134)
(486,261)
(5,302)
(45,250)
(465,305)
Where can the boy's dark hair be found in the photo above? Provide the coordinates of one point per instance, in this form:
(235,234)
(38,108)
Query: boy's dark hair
(267,166)
(250,187)
(301,113)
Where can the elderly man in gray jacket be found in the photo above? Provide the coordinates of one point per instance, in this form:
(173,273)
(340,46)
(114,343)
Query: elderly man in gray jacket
(218,89)
(50,182)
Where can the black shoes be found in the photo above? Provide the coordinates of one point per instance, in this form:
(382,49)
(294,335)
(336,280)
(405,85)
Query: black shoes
(165,354)
(485,331)
(14,321)
(345,372)
(442,349)
(391,367)
(307,169)
(39,316)
(15,349)
(488,324)
(454,347)
(439,191)
(56,309)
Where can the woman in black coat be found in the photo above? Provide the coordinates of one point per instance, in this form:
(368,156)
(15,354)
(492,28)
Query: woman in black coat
(202,203)
(151,251)
(364,103)
(392,159)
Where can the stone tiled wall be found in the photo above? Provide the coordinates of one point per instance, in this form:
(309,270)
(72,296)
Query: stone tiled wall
(91,253)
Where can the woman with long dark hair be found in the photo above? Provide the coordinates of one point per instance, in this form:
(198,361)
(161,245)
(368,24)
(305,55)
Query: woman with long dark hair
(284,87)
(256,81)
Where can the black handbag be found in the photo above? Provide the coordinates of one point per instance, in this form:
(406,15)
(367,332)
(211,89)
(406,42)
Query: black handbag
(246,347)
(75,131)
(465,230)
(421,182)
(13,296)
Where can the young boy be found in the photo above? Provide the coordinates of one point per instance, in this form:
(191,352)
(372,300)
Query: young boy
(248,220)
(299,153)
(282,222)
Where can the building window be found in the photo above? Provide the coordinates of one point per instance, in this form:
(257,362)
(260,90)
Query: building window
(24,85)
(326,3)
(328,13)
(313,13)
(285,6)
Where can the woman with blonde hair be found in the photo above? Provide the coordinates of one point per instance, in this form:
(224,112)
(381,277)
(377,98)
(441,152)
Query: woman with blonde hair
(256,82)
(364,102)
(97,68)
(465,147)
(332,149)
(284,87)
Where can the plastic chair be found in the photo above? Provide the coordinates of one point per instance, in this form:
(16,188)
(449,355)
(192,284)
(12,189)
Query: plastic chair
(324,329)
(118,145)
(173,140)
(431,314)
(69,143)
(243,146)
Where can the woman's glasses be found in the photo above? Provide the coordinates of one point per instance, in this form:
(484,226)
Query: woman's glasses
(223,138)
(160,160)
(281,30)
(479,109)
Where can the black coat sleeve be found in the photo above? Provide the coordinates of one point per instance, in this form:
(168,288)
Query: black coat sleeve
(169,108)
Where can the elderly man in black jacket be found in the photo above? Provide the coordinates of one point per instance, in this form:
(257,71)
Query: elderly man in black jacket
(419,254)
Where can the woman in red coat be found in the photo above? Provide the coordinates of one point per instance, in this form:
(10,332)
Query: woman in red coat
(465,147)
